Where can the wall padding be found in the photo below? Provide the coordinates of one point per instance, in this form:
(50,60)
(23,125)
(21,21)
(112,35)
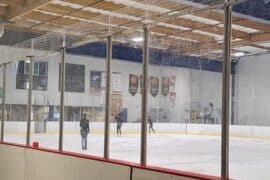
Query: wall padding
(19,163)
(43,166)
(12,163)
(141,174)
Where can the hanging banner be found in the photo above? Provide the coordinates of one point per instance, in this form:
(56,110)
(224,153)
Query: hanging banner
(116,103)
(172,99)
(141,83)
(172,83)
(165,86)
(154,86)
(116,82)
(133,84)
(96,79)
(103,80)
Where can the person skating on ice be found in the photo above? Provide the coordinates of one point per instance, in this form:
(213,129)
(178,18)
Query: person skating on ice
(84,125)
(208,117)
(150,128)
(118,124)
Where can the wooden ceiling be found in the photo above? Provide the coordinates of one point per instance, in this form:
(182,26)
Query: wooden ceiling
(184,27)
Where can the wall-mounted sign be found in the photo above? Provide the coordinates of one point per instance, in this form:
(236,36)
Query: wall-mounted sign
(172,99)
(165,86)
(95,79)
(172,83)
(141,83)
(116,82)
(133,84)
(154,86)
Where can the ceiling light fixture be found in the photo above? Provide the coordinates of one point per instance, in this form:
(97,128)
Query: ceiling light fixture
(2,29)
(238,54)
(138,39)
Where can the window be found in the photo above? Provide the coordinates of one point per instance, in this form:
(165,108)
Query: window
(74,80)
(40,75)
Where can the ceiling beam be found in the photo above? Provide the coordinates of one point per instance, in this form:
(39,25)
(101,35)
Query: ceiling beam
(204,27)
(3,12)
(236,20)
(39,16)
(4,2)
(253,40)
(17,11)
(12,2)
(261,47)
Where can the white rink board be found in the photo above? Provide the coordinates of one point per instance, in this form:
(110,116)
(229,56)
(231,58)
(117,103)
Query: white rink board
(141,174)
(12,163)
(249,158)
(17,163)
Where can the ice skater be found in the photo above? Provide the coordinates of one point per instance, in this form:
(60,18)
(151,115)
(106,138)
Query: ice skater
(84,125)
(118,124)
(150,128)
(208,116)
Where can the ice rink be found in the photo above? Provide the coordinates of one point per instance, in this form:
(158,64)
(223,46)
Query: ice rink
(249,157)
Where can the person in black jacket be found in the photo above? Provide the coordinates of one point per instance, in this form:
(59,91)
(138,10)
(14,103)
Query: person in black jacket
(150,121)
(208,117)
(84,125)
(118,124)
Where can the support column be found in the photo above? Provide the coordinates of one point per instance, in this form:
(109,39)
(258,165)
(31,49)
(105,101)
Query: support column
(144,115)
(29,104)
(108,99)
(226,92)
(62,93)
(3,102)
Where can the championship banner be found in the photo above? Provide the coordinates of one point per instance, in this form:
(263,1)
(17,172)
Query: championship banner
(154,86)
(133,84)
(116,82)
(141,83)
(103,79)
(96,79)
(165,86)
(172,99)
(172,83)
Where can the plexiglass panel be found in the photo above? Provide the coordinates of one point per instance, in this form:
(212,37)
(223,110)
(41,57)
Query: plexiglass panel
(16,102)
(84,104)
(249,125)
(45,102)
(126,100)
(185,99)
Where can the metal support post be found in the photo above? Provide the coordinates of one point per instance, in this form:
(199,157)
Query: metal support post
(62,93)
(108,99)
(226,92)
(29,104)
(3,102)
(144,115)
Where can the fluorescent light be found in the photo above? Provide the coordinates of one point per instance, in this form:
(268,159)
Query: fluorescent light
(238,54)
(138,39)
(2,29)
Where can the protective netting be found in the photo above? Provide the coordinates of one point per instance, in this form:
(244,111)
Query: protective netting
(249,96)
(82,22)
(184,79)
